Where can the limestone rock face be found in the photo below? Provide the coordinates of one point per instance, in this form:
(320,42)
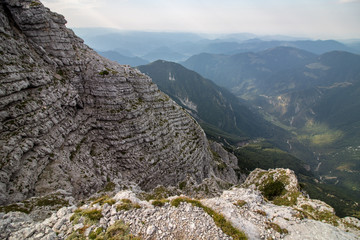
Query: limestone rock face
(244,209)
(73,120)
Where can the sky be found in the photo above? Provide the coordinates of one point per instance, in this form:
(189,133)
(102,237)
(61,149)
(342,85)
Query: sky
(316,19)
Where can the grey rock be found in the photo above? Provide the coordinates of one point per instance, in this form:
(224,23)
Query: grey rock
(150,230)
(59,224)
(316,230)
(78,226)
(72,120)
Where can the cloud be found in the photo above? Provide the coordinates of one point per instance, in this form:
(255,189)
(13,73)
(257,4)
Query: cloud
(320,19)
(349,1)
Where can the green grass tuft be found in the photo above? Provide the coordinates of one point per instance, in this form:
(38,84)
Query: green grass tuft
(127,205)
(91,216)
(273,189)
(104,199)
(159,203)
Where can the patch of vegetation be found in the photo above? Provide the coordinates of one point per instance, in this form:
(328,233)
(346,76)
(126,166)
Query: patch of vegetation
(97,232)
(277,228)
(287,200)
(112,71)
(265,155)
(216,134)
(157,193)
(126,205)
(182,185)
(218,218)
(76,236)
(91,216)
(261,212)
(51,200)
(26,206)
(215,155)
(240,203)
(307,208)
(325,216)
(328,217)
(273,189)
(104,199)
(104,72)
(118,231)
(34,4)
(319,135)
(221,165)
(107,71)
(159,203)
(109,187)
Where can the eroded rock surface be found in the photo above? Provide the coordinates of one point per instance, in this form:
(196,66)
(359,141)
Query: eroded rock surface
(244,208)
(73,120)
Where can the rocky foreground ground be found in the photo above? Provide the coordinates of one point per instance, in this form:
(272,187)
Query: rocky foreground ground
(239,213)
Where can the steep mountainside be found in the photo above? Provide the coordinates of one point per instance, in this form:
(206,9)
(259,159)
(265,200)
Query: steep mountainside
(73,120)
(206,101)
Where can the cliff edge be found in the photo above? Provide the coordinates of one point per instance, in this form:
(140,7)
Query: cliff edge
(73,120)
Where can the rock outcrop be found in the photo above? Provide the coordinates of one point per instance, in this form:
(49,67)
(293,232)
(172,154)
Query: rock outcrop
(240,208)
(73,120)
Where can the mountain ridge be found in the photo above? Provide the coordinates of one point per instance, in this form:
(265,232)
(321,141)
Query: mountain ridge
(204,99)
(75,121)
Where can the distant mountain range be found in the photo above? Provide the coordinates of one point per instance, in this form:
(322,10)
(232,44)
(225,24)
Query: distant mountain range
(284,75)
(245,73)
(179,46)
(125,60)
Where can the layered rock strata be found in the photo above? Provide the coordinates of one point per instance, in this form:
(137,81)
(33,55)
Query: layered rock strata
(73,120)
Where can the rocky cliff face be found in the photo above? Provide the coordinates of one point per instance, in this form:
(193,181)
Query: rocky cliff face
(73,120)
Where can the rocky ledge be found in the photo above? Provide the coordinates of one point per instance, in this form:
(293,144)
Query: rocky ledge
(239,213)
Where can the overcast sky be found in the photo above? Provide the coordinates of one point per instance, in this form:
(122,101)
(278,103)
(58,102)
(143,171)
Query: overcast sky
(317,19)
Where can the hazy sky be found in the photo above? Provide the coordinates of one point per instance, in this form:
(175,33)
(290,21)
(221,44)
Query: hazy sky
(322,19)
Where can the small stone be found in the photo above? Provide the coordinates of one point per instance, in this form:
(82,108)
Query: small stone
(59,224)
(150,230)
(88,230)
(113,211)
(78,226)
(39,235)
(62,212)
